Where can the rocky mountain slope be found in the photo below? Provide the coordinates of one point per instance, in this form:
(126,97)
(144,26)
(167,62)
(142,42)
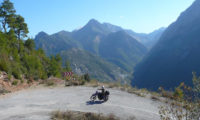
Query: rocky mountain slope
(175,56)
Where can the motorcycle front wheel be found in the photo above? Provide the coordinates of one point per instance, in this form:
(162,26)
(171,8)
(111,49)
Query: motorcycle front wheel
(93,98)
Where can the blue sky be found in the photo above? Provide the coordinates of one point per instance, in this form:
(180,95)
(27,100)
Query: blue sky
(144,16)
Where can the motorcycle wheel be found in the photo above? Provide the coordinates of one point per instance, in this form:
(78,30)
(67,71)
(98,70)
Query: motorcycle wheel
(93,98)
(106,98)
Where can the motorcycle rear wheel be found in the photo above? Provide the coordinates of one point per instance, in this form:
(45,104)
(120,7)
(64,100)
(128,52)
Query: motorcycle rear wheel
(106,98)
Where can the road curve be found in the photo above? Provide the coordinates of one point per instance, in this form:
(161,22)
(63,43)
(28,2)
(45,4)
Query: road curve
(37,104)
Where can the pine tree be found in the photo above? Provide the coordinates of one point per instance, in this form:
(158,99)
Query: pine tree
(20,27)
(7,12)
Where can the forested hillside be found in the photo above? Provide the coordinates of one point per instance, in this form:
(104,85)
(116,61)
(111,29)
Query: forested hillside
(18,56)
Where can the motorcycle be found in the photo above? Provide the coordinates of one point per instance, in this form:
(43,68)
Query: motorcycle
(100,96)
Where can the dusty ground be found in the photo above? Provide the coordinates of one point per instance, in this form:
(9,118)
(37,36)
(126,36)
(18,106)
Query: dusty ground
(36,104)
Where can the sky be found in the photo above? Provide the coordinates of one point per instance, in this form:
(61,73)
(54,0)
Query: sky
(143,16)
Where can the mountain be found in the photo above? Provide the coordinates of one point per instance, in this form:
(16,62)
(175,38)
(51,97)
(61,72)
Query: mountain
(90,35)
(176,55)
(148,40)
(85,62)
(112,28)
(82,61)
(122,50)
(53,44)
(110,43)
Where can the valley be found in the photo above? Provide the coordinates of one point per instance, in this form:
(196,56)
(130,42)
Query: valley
(51,75)
(97,45)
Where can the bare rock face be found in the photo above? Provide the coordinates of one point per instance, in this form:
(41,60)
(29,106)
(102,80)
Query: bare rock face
(4,76)
(4,83)
(1,75)
(2,88)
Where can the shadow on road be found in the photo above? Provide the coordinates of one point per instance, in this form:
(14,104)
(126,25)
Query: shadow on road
(94,102)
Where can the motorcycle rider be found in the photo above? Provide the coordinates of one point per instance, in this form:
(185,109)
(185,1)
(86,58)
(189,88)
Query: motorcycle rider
(102,90)
(103,95)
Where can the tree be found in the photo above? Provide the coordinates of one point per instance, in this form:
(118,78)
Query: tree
(7,12)
(20,27)
(67,66)
(30,44)
(14,58)
(87,77)
(55,66)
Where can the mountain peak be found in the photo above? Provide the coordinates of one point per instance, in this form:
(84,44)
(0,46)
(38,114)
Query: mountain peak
(41,34)
(63,32)
(93,21)
(95,27)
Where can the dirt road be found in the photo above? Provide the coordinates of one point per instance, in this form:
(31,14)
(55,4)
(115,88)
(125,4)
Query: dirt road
(36,104)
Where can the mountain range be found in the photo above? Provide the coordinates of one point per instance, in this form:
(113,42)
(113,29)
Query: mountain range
(104,44)
(176,55)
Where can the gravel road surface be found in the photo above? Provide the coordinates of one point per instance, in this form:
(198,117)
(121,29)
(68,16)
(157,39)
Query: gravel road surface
(37,104)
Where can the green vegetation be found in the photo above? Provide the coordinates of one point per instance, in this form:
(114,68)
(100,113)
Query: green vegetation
(18,55)
(185,104)
(67,66)
(15,82)
(86,77)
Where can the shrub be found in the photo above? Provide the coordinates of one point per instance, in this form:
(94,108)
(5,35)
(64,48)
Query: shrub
(50,83)
(4,66)
(16,73)
(178,93)
(22,81)
(186,105)
(155,98)
(87,77)
(166,94)
(15,82)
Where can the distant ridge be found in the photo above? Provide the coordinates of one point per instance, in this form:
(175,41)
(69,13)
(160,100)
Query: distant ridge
(175,56)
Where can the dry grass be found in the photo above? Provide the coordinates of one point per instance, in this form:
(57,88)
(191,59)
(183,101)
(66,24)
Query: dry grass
(75,115)
(72,115)
(92,83)
(167,94)
(3,91)
(155,98)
